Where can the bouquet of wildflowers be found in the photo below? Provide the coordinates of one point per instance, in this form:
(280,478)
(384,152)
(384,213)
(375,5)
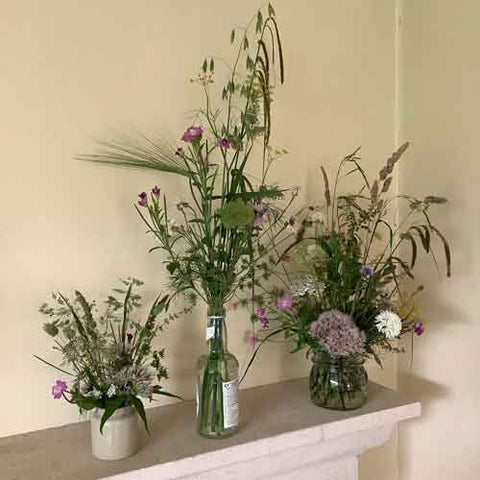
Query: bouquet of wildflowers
(210,240)
(110,359)
(341,293)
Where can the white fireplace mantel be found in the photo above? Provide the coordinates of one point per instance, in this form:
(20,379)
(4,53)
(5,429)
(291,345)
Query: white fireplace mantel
(282,436)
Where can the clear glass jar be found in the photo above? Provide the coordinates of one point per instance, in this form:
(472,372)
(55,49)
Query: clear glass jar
(217,384)
(338,382)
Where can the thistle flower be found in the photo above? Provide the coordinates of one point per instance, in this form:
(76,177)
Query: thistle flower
(388,323)
(142,199)
(285,301)
(192,133)
(58,388)
(156,191)
(337,334)
(224,143)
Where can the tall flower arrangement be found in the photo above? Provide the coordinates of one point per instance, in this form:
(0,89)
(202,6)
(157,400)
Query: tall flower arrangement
(210,240)
(343,290)
(214,241)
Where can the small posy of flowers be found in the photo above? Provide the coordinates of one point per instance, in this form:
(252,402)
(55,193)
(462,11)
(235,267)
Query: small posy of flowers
(111,358)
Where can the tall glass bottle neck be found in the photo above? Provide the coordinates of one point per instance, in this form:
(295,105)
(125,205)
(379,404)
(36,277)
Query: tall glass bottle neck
(216,334)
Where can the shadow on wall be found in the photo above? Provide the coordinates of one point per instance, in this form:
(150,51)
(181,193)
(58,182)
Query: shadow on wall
(427,393)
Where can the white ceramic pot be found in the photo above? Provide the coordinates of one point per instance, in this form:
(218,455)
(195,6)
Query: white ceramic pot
(121,434)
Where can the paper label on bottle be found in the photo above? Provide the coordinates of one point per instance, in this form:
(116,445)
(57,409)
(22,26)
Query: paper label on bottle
(210,332)
(230,403)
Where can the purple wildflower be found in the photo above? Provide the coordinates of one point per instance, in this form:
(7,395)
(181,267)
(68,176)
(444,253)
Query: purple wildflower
(142,199)
(224,143)
(156,191)
(366,271)
(262,315)
(258,221)
(337,334)
(129,337)
(285,302)
(419,329)
(260,214)
(58,388)
(192,133)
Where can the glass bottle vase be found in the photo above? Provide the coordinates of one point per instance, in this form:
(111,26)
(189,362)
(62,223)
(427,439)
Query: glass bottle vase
(338,382)
(217,384)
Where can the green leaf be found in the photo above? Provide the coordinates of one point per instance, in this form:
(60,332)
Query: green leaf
(137,403)
(446,247)
(232,36)
(111,406)
(204,66)
(53,366)
(157,389)
(51,328)
(245,43)
(409,236)
(85,403)
(212,65)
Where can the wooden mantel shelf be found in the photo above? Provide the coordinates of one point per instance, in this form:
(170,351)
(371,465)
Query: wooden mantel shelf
(282,436)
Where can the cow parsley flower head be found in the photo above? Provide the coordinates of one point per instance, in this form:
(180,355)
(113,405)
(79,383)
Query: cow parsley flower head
(337,334)
(388,323)
(306,285)
(112,391)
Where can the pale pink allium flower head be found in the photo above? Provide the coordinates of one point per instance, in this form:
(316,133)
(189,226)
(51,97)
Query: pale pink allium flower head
(337,334)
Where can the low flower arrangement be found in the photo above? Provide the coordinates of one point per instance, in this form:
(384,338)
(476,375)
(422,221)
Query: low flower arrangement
(342,296)
(109,358)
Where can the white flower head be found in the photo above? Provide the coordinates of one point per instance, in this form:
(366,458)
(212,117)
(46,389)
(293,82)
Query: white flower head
(112,390)
(306,284)
(317,217)
(97,393)
(388,323)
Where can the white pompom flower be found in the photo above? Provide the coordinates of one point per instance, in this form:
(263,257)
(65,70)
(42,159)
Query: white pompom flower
(388,323)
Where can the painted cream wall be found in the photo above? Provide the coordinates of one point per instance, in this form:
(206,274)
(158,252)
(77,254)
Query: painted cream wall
(440,100)
(69,71)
